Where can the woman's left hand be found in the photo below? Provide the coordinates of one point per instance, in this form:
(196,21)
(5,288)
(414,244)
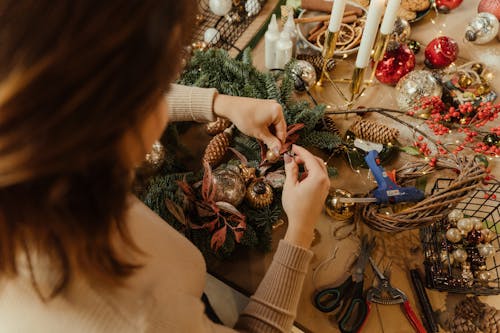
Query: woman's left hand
(260,118)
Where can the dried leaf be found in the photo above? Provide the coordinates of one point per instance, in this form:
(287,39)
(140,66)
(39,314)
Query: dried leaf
(227,207)
(208,187)
(176,211)
(218,238)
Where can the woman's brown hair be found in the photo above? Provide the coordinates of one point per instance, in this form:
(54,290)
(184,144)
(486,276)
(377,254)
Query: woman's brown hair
(74,77)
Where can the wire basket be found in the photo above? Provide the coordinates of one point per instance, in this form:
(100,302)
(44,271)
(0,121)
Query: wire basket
(230,26)
(441,273)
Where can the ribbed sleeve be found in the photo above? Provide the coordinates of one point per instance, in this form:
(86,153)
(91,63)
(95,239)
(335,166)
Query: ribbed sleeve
(273,306)
(190,103)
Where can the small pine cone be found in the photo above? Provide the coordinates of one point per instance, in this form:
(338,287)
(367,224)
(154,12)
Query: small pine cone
(461,325)
(373,131)
(217,126)
(490,321)
(317,62)
(217,148)
(328,124)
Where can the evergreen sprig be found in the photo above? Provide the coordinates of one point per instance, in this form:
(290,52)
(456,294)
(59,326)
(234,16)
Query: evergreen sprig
(214,68)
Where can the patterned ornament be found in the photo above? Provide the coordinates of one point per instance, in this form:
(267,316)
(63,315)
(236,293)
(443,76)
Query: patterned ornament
(259,194)
(482,29)
(490,6)
(217,148)
(455,215)
(397,62)
(373,131)
(460,255)
(415,85)
(252,7)
(465,225)
(220,7)
(156,156)
(449,4)
(229,186)
(304,75)
(217,126)
(402,30)
(441,52)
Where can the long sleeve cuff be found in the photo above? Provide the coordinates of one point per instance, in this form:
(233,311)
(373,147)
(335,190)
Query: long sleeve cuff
(191,103)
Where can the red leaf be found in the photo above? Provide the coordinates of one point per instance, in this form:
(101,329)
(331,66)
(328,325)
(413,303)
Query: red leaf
(218,238)
(208,187)
(239,155)
(188,191)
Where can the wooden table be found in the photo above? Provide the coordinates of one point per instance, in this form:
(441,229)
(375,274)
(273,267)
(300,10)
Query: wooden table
(246,269)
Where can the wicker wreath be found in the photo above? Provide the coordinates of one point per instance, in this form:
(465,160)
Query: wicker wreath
(470,174)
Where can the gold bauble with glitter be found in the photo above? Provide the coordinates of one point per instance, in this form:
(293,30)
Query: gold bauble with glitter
(464,81)
(259,194)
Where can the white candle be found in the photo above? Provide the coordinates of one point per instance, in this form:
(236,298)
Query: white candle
(337,15)
(390,17)
(369,33)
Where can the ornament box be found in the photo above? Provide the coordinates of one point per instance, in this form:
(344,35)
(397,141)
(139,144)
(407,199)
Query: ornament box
(442,271)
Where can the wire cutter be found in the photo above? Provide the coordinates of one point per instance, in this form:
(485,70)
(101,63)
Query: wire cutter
(349,295)
(387,294)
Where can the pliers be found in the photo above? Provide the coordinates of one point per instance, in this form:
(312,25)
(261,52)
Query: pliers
(387,294)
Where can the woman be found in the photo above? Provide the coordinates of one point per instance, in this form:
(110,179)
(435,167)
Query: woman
(82,87)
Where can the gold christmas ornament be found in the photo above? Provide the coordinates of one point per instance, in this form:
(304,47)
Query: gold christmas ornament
(247,173)
(339,210)
(271,156)
(217,126)
(217,148)
(373,131)
(478,68)
(259,194)
(156,156)
(464,81)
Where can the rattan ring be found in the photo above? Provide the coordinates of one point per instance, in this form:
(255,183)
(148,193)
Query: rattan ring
(470,174)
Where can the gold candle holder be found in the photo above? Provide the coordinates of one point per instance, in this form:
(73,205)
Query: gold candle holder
(378,52)
(328,52)
(357,81)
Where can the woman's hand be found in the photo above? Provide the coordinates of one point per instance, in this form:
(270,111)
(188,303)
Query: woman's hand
(303,198)
(259,118)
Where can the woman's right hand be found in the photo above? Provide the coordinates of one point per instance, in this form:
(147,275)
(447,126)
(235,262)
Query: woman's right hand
(303,198)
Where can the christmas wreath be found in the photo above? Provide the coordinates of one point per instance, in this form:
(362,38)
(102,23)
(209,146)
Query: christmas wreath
(189,200)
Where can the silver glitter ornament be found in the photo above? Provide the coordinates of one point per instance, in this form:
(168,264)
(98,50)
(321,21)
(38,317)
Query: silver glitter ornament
(455,215)
(229,186)
(467,276)
(486,250)
(460,255)
(402,30)
(453,235)
(482,29)
(252,7)
(304,75)
(465,225)
(415,85)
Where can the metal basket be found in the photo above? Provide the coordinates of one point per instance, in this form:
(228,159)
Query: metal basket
(442,275)
(230,27)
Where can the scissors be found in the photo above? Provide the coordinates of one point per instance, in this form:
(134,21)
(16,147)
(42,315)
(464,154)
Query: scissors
(349,295)
(387,294)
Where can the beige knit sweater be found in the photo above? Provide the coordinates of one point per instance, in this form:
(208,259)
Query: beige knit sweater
(163,296)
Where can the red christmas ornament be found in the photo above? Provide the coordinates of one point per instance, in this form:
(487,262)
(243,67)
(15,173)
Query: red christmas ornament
(449,4)
(441,52)
(490,6)
(397,62)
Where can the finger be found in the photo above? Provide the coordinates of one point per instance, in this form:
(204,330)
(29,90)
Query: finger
(291,171)
(272,142)
(280,124)
(310,161)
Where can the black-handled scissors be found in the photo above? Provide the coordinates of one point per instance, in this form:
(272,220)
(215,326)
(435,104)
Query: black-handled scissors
(349,295)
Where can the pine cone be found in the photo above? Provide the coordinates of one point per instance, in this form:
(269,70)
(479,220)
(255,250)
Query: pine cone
(217,148)
(373,131)
(328,124)
(490,321)
(317,62)
(462,325)
(217,126)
